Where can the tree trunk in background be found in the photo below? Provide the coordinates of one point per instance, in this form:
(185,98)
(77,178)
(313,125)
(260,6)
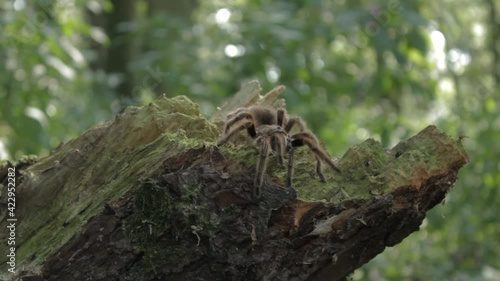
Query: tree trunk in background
(118,25)
(114,59)
(494,30)
(178,16)
(180,9)
(97,19)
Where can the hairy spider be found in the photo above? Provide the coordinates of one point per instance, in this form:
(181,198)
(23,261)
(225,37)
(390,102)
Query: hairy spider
(271,127)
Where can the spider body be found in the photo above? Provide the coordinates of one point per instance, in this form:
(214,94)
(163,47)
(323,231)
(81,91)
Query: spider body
(271,127)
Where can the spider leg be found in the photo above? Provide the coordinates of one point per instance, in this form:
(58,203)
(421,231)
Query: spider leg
(267,134)
(225,137)
(251,131)
(295,120)
(276,147)
(289,174)
(279,146)
(237,116)
(236,112)
(261,165)
(279,143)
(319,170)
(281,116)
(310,140)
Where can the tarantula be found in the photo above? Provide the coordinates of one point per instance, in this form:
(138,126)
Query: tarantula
(270,127)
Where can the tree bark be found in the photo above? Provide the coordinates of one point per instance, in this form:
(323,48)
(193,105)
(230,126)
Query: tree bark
(493,22)
(148,196)
(120,50)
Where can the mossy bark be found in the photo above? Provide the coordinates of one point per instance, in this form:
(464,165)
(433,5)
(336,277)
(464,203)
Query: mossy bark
(148,196)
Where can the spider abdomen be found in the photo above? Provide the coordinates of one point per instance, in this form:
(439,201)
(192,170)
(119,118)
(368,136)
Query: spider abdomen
(264,115)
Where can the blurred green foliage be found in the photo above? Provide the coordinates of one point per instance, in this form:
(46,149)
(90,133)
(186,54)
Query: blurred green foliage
(353,70)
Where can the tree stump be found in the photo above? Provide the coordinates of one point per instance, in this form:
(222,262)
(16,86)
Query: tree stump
(148,196)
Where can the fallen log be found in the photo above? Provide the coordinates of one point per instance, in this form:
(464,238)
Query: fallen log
(148,196)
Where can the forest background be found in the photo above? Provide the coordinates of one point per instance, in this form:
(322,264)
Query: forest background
(353,69)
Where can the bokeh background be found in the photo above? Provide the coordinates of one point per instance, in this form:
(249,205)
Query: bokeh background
(353,69)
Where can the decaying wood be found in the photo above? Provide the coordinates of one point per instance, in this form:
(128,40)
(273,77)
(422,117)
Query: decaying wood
(148,196)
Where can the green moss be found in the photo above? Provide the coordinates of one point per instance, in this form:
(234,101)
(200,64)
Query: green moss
(157,213)
(70,186)
(361,165)
(362,168)
(26,159)
(180,104)
(153,207)
(305,178)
